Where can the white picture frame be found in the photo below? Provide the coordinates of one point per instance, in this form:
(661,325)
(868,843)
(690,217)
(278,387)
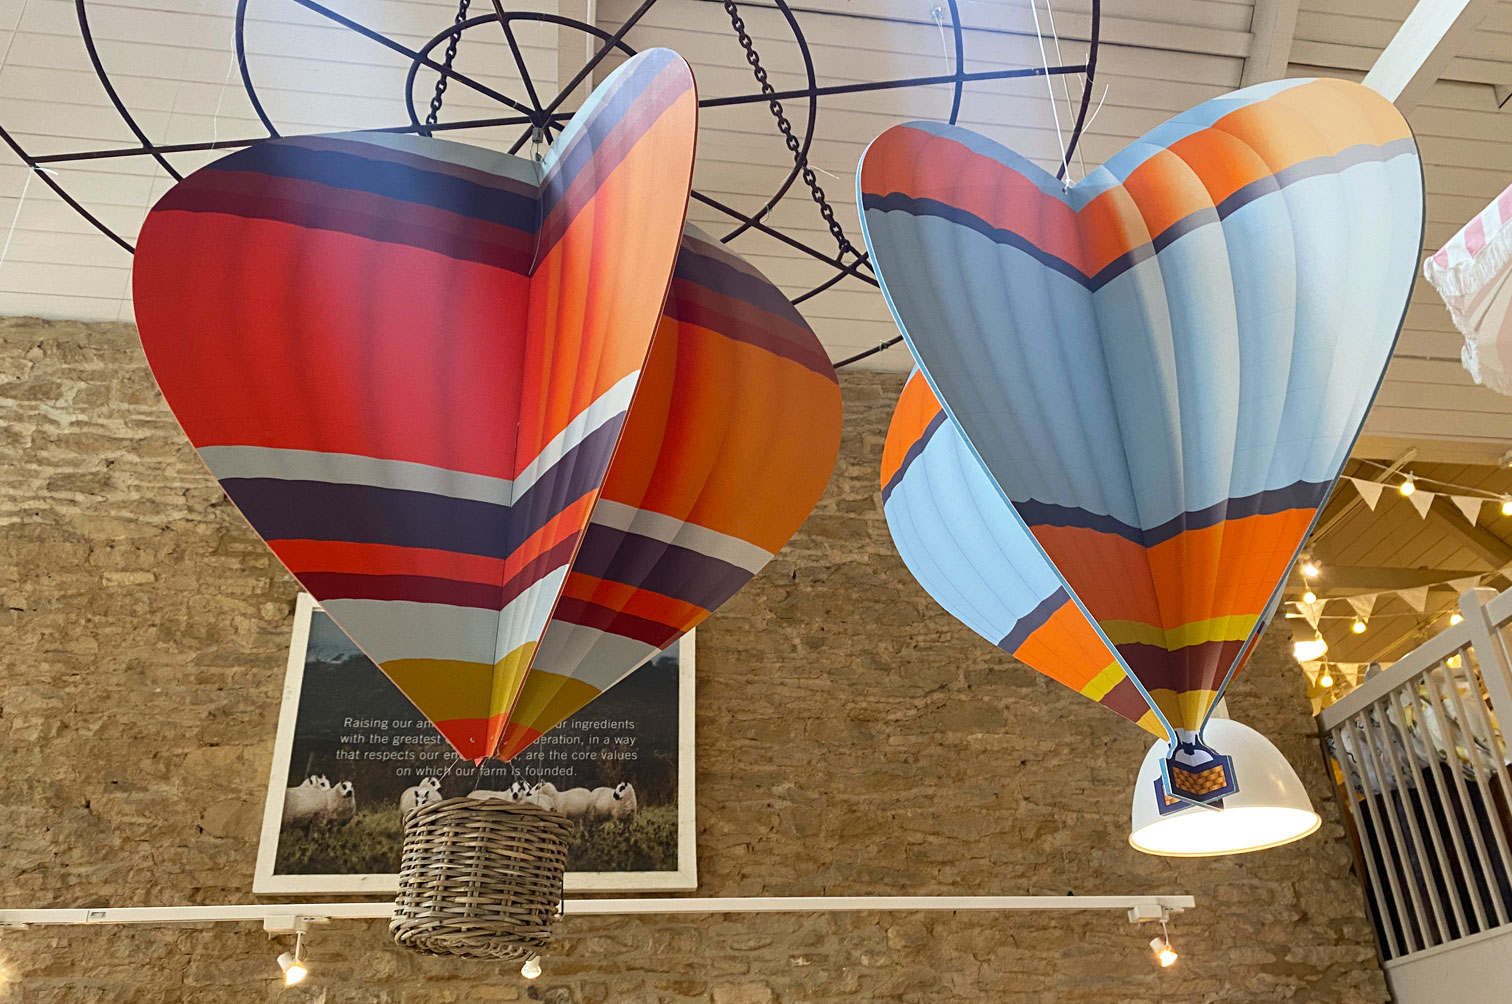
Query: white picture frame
(267,880)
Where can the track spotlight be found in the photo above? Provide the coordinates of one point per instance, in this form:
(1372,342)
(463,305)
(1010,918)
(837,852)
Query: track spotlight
(293,963)
(532,967)
(1161,946)
(1310,569)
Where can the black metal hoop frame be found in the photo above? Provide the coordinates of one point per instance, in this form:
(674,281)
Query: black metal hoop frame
(540,119)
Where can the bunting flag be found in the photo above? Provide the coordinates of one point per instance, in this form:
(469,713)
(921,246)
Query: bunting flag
(1370,491)
(1363,604)
(1464,585)
(1473,273)
(1469,505)
(1421,501)
(1416,597)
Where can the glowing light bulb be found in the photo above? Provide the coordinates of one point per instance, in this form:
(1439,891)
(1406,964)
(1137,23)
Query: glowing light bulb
(294,971)
(532,967)
(1310,569)
(1164,952)
(1456,618)
(1309,597)
(1307,651)
(1358,627)
(1507,505)
(1326,680)
(1453,662)
(1407,487)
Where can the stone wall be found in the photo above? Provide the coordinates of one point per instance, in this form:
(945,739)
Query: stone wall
(852,739)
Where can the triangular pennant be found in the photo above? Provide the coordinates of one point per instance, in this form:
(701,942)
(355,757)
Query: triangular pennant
(1460,586)
(1469,505)
(1416,597)
(1370,491)
(1311,669)
(1363,604)
(1421,501)
(1311,612)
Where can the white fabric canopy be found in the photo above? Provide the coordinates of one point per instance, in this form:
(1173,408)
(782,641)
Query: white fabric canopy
(1473,273)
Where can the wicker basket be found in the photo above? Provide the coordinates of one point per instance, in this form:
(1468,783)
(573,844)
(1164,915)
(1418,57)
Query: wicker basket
(480,878)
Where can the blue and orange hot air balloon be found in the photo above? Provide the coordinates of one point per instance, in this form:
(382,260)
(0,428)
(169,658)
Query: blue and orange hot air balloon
(513,424)
(1134,393)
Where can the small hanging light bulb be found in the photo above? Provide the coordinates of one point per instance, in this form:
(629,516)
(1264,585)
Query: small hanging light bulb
(1408,486)
(1456,618)
(1309,597)
(1453,662)
(1311,569)
(532,967)
(1358,627)
(1507,505)
(1326,681)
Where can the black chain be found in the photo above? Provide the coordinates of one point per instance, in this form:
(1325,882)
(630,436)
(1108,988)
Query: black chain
(451,54)
(786,127)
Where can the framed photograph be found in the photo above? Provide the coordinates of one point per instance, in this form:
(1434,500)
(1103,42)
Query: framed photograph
(352,751)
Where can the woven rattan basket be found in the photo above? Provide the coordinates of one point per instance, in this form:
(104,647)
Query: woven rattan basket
(480,878)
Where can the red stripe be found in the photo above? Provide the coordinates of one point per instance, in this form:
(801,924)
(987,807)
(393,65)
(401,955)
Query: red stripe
(414,588)
(331,358)
(591,615)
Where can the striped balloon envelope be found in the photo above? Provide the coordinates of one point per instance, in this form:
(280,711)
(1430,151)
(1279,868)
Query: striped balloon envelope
(1160,370)
(440,382)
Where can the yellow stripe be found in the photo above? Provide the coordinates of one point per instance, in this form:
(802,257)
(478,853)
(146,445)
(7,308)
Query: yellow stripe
(1097,688)
(508,674)
(548,698)
(1151,724)
(1233,627)
(1184,710)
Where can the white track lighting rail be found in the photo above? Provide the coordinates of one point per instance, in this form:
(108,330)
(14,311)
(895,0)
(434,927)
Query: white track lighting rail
(275,916)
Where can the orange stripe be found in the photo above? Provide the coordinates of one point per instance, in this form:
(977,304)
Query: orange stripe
(564,524)
(735,405)
(917,406)
(636,602)
(596,297)
(386,559)
(1217,571)
(1066,648)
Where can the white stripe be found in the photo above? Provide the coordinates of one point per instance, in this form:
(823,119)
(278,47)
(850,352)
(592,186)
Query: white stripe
(670,530)
(595,657)
(404,629)
(609,404)
(352,469)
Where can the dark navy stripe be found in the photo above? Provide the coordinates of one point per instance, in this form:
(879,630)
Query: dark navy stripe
(899,202)
(723,275)
(1301,495)
(657,566)
(385,178)
(1034,620)
(1311,168)
(911,454)
(281,509)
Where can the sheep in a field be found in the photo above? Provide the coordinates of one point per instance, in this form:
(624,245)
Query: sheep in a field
(316,781)
(309,804)
(622,803)
(545,795)
(424,793)
(574,803)
(341,804)
(486,793)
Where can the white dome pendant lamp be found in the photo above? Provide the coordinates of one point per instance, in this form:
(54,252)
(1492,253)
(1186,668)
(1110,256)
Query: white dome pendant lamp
(1270,807)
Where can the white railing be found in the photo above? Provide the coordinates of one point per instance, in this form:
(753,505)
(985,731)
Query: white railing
(1423,771)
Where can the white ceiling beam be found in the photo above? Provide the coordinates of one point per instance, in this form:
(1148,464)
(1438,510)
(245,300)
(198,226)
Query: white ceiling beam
(1271,28)
(1419,53)
(575,48)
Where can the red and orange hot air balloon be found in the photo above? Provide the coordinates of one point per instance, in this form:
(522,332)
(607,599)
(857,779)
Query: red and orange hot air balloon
(513,424)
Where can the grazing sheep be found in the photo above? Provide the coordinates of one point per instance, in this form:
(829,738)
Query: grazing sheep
(545,795)
(316,781)
(575,803)
(341,804)
(424,793)
(503,796)
(623,801)
(311,803)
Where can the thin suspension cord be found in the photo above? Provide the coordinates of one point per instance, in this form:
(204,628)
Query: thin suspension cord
(1050,89)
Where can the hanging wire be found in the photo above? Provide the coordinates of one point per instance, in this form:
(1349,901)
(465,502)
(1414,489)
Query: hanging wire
(1060,139)
(1066,84)
(434,115)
